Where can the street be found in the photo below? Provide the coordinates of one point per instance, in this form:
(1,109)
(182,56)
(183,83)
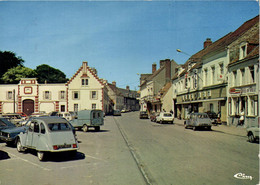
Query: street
(129,150)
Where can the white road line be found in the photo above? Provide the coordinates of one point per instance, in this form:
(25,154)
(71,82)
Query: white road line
(47,169)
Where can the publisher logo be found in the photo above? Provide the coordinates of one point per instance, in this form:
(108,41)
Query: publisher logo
(243,176)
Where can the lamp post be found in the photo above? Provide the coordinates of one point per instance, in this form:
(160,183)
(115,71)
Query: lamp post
(180,51)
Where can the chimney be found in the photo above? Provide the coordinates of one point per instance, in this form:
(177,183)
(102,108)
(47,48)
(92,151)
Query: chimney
(162,62)
(85,64)
(114,83)
(167,70)
(153,67)
(207,42)
(127,88)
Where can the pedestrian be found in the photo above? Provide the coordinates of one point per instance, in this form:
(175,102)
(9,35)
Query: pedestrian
(242,117)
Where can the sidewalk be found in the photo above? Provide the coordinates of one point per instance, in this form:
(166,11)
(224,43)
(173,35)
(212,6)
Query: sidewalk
(232,130)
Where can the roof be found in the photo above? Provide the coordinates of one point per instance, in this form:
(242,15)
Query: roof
(222,43)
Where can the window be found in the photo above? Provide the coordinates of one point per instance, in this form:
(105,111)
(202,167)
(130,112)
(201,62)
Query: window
(212,75)
(242,77)
(252,74)
(93,94)
(76,107)
(36,127)
(62,108)
(94,106)
(205,77)
(42,128)
(46,95)
(234,78)
(75,94)
(242,52)
(10,95)
(84,82)
(221,68)
(62,95)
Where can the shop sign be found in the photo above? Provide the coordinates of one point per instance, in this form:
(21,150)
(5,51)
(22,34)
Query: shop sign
(235,91)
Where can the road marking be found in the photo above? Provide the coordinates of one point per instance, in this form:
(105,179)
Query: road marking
(34,164)
(95,158)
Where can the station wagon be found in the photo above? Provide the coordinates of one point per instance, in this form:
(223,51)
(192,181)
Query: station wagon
(88,118)
(198,120)
(48,134)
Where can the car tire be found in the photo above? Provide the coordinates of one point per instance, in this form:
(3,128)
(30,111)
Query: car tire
(97,128)
(85,128)
(40,155)
(251,137)
(19,146)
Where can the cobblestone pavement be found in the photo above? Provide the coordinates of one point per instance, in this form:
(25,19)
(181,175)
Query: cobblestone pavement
(232,130)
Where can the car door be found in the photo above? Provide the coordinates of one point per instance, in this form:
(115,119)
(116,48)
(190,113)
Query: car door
(29,135)
(36,134)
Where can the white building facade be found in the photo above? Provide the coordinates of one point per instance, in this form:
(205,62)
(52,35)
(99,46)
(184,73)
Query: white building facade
(83,91)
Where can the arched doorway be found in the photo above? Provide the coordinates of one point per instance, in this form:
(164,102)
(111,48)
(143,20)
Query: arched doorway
(28,106)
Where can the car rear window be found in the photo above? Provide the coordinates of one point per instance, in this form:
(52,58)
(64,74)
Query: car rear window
(59,126)
(167,115)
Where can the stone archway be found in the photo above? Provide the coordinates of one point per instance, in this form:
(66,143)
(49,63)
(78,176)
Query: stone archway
(28,107)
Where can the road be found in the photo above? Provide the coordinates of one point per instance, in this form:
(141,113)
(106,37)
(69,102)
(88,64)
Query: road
(130,151)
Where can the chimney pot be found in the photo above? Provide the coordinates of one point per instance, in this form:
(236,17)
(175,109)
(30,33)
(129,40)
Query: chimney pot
(207,42)
(153,67)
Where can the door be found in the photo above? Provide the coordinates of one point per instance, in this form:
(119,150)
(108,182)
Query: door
(28,107)
(29,135)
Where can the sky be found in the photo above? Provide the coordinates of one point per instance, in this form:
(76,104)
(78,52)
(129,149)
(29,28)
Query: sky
(121,39)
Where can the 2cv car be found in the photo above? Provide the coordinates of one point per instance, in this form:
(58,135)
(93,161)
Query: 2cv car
(88,118)
(48,134)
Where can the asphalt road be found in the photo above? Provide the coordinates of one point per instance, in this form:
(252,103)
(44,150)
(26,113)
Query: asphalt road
(131,151)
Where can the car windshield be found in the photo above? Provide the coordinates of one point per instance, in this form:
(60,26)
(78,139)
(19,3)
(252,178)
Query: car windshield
(4,122)
(59,126)
(202,116)
(167,115)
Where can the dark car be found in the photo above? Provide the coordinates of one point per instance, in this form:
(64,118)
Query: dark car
(213,117)
(4,124)
(143,115)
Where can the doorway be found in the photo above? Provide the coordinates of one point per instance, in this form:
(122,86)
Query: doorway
(28,107)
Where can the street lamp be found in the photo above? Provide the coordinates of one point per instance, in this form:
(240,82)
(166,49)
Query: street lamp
(180,51)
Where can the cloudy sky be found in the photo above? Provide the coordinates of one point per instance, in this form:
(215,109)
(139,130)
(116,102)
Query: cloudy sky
(118,38)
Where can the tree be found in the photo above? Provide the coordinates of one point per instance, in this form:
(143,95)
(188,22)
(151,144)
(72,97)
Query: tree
(14,75)
(46,73)
(9,60)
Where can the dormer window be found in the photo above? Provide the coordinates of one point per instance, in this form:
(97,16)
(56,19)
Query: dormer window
(243,51)
(84,82)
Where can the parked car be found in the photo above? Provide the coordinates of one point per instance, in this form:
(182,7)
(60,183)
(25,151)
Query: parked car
(9,135)
(48,134)
(214,117)
(67,115)
(5,124)
(198,120)
(13,118)
(88,118)
(153,116)
(116,112)
(143,115)
(165,117)
(253,134)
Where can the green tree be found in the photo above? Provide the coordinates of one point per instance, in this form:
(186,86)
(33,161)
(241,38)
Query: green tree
(14,75)
(46,73)
(9,60)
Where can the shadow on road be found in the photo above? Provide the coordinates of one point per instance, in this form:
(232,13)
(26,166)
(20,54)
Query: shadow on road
(4,155)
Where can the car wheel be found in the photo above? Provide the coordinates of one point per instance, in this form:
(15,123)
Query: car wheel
(251,137)
(85,128)
(160,121)
(19,146)
(40,155)
(209,128)
(97,128)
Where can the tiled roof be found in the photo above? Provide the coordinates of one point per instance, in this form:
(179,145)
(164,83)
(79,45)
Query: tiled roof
(223,42)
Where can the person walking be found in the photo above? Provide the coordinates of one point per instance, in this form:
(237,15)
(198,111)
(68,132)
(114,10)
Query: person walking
(242,118)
